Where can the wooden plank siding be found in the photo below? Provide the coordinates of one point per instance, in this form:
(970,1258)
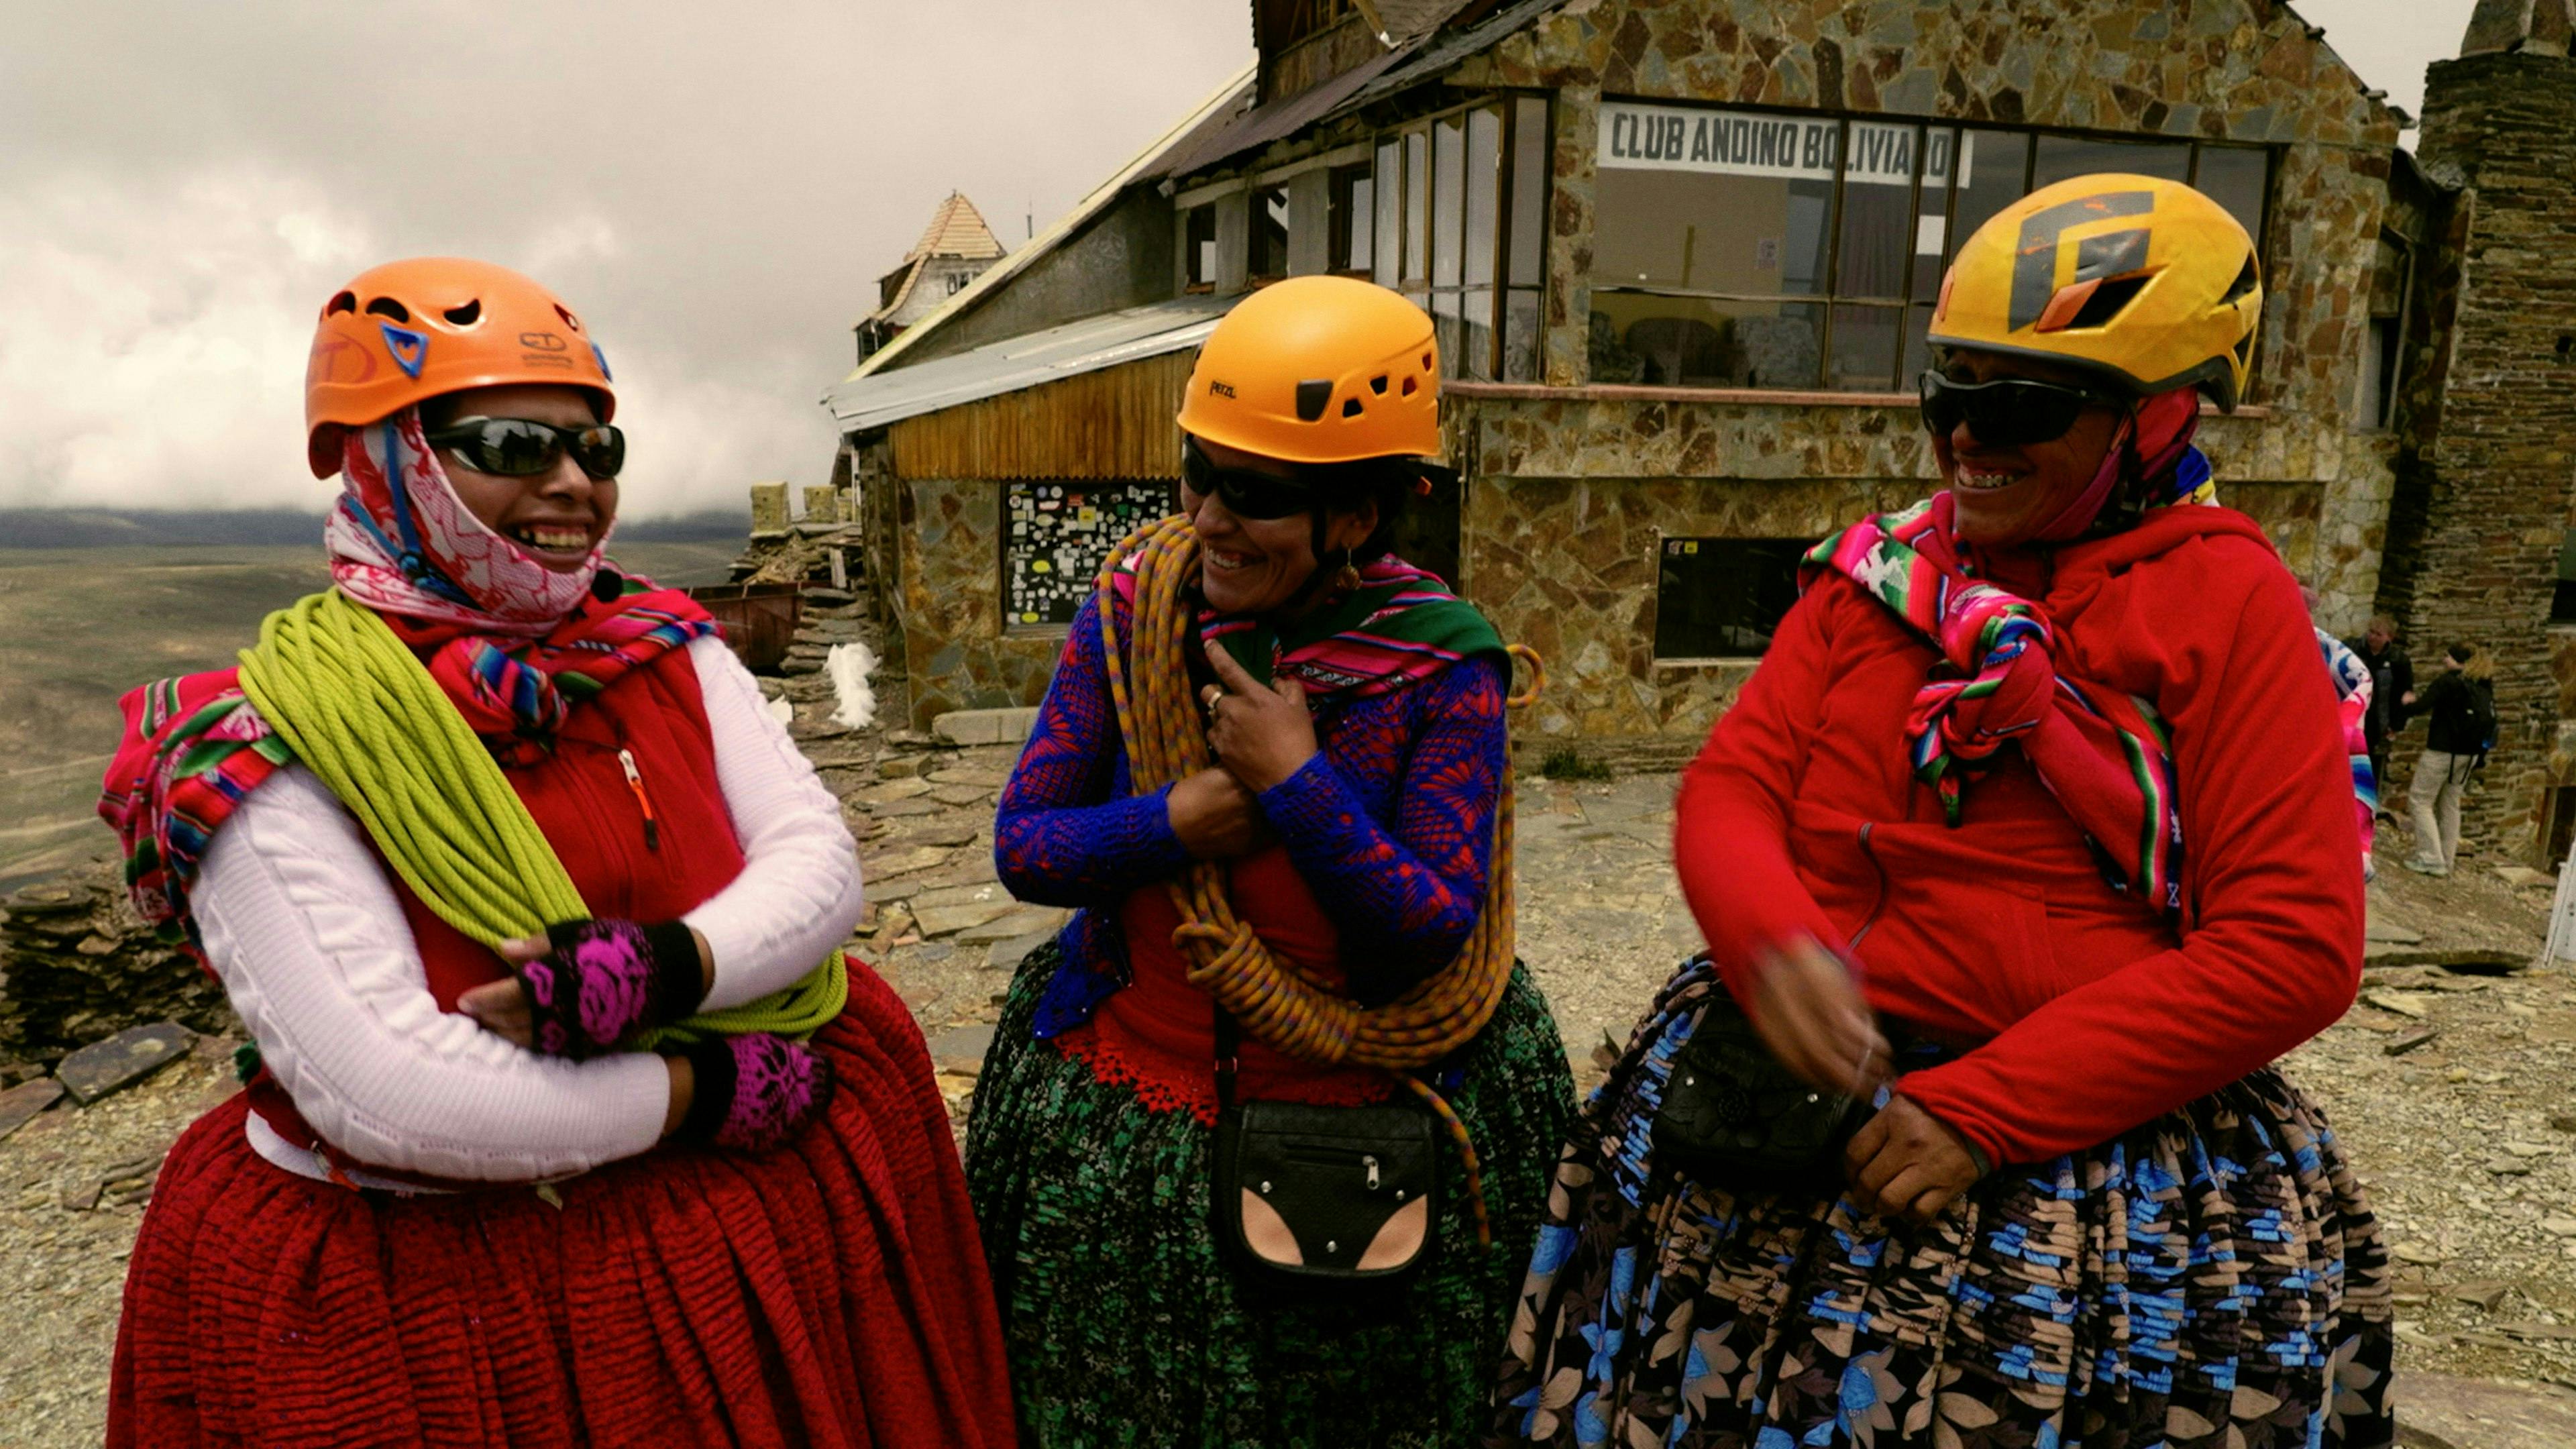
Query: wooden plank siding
(1114,423)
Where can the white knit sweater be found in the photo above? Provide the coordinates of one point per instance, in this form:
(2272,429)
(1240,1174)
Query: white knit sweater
(303,927)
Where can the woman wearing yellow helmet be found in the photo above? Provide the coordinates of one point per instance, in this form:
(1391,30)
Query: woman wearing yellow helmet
(2027,848)
(1205,1150)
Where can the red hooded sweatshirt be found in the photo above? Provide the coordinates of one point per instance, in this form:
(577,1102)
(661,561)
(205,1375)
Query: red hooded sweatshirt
(2097,1011)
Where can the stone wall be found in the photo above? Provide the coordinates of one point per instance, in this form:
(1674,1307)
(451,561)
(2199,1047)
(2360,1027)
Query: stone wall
(949,576)
(1571,498)
(2495,456)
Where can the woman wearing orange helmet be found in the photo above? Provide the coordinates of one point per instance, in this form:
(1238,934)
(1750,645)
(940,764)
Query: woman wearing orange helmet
(637,1171)
(2026,850)
(1214,1147)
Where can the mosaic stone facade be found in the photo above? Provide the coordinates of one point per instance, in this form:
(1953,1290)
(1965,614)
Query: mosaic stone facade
(956,653)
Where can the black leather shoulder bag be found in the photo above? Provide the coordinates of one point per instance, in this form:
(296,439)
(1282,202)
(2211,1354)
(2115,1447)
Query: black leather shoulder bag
(1733,1117)
(1321,1198)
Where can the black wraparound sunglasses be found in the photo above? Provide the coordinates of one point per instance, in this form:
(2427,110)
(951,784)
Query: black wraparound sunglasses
(523,447)
(1246,494)
(2009,411)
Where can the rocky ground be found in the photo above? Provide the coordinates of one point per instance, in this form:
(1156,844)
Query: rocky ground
(2449,1083)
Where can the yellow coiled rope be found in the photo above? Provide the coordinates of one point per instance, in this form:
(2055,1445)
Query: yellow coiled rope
(1166,741)
(363,714)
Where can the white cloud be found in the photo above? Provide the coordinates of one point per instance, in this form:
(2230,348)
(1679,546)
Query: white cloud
(714,189)
(136,372)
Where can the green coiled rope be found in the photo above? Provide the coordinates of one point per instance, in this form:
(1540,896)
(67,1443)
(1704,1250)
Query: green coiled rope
(363,714)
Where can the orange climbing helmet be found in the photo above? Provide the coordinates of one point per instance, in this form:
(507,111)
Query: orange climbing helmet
(2145,282)
(408,331)
(1319,370)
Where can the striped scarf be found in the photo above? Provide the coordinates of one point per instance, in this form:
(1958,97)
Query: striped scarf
(516,692)
(2105,755)
(1402,625)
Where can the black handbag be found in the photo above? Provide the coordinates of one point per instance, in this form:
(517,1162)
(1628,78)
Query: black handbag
(1733,1117)
(1321,1198)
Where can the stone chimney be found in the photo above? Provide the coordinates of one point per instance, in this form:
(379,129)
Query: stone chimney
(2525,27)
(2494,473)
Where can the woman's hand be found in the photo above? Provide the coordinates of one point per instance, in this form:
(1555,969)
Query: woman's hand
(584,985)
(1907,1163)
(1215,817)
(1260,734)
(1811,1015)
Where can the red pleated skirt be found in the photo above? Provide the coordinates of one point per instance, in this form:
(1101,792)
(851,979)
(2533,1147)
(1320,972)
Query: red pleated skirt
(832,1292)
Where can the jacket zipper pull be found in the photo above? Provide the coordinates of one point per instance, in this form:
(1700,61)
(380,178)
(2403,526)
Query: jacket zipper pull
(643,802)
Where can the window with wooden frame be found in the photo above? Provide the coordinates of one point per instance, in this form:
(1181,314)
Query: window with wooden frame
(1055,536)
(1461,217)
(1268,256)
(1738,248)
(1198,245)
(1350,207)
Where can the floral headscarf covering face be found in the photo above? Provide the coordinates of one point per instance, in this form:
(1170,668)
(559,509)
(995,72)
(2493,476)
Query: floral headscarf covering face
(402,542)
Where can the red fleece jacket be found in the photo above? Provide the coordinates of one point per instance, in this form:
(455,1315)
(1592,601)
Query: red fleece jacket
(2097,1012)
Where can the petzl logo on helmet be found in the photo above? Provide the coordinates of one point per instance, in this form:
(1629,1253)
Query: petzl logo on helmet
(2105,254)
(1220,389)
(410,349)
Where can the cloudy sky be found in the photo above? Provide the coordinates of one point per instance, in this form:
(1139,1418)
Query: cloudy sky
(716,188)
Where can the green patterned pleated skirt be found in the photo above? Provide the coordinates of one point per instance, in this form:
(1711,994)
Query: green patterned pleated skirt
(1126,1328)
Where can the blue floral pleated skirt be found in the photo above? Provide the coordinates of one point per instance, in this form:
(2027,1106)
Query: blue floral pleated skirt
(2210,1278)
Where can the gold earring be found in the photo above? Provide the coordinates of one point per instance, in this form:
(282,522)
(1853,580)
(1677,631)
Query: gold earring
(1348,580)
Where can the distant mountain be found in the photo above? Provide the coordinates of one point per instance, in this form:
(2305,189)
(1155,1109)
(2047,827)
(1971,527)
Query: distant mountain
(112,527)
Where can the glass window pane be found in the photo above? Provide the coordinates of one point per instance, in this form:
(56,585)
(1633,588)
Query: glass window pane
(1476,333)
(1417,205)
(1270,232)
(1387,214)
(1918,351)
(1697,342)
(1758,235)
(1531,143)
(1055,536)
(1448,198)
(1355,227)
(1444,322)
(1723,597)
(1521,335)
(1202,245)
(1990,173)
(1878,209)
(1864,356)
(2061,157)
(2233,177)
(1931,234)
(1484,192)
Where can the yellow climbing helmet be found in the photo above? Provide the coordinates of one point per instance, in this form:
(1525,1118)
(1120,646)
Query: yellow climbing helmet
(1319,370)
(2144,281)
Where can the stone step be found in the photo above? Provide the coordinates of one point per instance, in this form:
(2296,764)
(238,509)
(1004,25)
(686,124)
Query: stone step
(2438,1411)
(984,726)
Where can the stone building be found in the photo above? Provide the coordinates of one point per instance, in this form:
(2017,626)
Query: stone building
(2479,546)
(1680,254)
(956,248)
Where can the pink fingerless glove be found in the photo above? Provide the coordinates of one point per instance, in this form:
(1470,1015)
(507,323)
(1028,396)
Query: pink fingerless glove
(753,1091)
(606,978)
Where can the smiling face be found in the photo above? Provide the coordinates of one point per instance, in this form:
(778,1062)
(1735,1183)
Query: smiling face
(2006,494)
(558,516)
(1257,565)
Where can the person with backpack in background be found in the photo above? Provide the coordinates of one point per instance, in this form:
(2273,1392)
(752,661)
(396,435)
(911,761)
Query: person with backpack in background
(2392,679)
(2460,728)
